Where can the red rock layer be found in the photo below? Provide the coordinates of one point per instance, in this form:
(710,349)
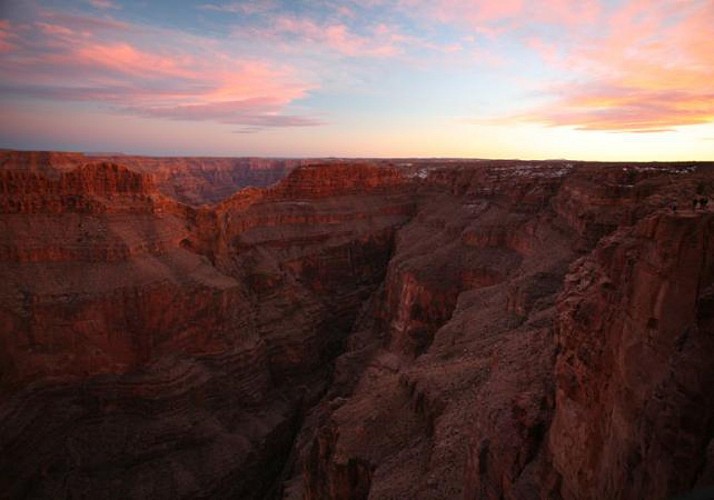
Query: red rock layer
(634,374)
(176,338)
(194,181)
(443,346)
(450,384)
(80,190)
(95,280)
(311,259)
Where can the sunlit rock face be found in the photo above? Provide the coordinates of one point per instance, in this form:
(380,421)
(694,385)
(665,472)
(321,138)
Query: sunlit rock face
(356,330)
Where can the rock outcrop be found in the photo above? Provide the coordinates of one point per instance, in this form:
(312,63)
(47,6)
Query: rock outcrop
(634,406)
(420,329)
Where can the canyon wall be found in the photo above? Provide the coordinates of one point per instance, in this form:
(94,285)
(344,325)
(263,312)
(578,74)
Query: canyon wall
(193,181)
(459,359)
(189,368)
(634,372)
(387,329)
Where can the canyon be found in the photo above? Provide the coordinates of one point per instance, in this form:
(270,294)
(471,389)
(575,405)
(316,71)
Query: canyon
(349,329)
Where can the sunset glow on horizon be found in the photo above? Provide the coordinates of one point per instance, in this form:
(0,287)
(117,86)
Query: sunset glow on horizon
(586,80)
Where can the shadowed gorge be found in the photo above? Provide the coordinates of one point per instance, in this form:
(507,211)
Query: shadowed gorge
(354,329)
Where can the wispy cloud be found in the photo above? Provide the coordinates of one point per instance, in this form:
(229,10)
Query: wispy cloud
(337,37)
(248,8)
(256,112)
(604,106)
(104,4)
(625,66)
(494,18)
(651,131)
(638,65)
(6,36)
(649,69)
(159,74)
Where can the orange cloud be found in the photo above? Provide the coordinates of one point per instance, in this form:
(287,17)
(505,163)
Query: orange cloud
(625,109)
(652,68)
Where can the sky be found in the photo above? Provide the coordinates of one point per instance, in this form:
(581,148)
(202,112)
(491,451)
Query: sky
(583,80)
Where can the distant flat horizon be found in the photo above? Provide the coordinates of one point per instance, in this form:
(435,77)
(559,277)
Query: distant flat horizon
(100,154)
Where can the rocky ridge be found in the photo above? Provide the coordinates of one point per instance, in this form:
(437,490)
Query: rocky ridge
(193,181)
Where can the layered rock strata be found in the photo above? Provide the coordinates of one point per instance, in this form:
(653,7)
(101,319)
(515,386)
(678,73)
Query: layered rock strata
(461,366)
(118,329)
(194,181)
(634,374)
(415,329)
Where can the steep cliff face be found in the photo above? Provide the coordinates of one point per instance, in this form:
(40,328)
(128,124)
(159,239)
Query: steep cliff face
(310,257)
(456,347)
(455,357)
(91,266)
(85,189)
(634,373)
(189,329)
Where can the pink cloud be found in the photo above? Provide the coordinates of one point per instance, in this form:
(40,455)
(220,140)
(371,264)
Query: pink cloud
(651,67)
(123,57)
(338,37)
(565,13)
(6,36)
(469,12)
(156,74)
(104,4)
(54,29)
(547,51)
(86,24)
(250,8)
(494,18)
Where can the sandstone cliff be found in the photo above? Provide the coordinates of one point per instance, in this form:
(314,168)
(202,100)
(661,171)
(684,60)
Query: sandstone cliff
(634,373)
(459,358)
(115,324)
